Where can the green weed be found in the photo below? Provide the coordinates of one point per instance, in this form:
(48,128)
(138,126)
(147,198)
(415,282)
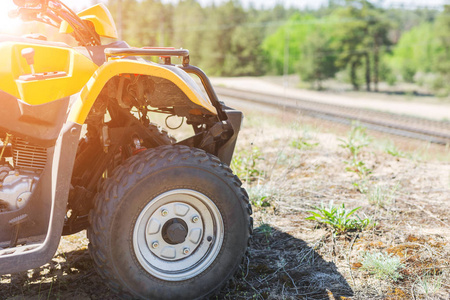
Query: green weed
(260,195)
(356,141)
(361,186)
(244,164)
(394,151)
(302,143)
(266,230)
(382,265)
(358,167)
(339,218)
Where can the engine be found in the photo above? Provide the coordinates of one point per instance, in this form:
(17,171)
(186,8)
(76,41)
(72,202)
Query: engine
(17,182)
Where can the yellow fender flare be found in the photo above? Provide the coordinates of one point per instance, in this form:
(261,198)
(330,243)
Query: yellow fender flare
(84,102)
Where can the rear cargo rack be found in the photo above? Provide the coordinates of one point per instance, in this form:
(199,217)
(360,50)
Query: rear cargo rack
(166,53)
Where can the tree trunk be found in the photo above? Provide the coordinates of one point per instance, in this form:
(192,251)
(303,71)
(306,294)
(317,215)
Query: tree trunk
(376,66)
(367,71)
(353,75)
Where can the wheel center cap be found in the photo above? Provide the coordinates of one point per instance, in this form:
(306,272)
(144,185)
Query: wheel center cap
(175,231)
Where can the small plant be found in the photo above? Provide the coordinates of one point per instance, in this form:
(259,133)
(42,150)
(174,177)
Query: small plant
(302,143)
(260,195)
(339,218)
(356,141)
(391,149)
(381,196)
(244,164)
(361,186)
(266,230)
(382,265)
(429,284)
(358,167)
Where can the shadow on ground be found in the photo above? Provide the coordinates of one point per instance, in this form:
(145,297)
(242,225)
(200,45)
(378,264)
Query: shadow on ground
(69,275)
(279,267)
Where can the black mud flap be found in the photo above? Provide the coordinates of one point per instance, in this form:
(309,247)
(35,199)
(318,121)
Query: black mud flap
(235,117)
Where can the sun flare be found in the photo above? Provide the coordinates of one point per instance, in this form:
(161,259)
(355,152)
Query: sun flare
(8,25)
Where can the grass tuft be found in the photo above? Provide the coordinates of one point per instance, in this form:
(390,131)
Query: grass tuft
(382,265)
(428,284)
(381,196)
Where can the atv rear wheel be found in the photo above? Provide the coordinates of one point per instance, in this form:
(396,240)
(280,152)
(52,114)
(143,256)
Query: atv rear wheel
(172,222)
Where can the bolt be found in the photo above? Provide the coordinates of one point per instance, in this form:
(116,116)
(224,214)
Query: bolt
(155,244)
(195,219)
(164,212)
(186,251)
(73,130)
(19,200)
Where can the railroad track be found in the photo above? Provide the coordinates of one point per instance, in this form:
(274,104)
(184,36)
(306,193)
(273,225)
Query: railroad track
(437,132)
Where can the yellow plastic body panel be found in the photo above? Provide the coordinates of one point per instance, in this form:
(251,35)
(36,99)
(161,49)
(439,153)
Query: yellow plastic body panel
(90,92)
(78,68)
(100,16)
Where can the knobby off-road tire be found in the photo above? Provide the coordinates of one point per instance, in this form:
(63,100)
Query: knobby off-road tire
(161,134)
(171,223)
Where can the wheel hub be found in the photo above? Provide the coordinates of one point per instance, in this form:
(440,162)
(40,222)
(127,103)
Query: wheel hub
(178,234)
(175,231)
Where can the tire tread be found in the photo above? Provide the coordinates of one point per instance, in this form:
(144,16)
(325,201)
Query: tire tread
(132,170)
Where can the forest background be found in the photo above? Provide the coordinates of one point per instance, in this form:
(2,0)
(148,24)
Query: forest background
(358,42)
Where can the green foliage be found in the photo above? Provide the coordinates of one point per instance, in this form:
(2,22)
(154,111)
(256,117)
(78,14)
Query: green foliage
(360,39)
(382,265)
(356,141)
(188,18)
(394,151)
(415,51)
(229,39)
(303,143)
(260,195)
(244,164)
(302,44)
(443,55)
(285,43)
(339,218)
(318,61)
(265,229)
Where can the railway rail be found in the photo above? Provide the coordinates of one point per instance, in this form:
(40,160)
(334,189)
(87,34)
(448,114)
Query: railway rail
(433,131)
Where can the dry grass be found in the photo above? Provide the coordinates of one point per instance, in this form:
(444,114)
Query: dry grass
(294,258)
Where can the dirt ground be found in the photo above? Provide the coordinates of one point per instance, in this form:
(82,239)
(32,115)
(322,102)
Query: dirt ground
(289,164)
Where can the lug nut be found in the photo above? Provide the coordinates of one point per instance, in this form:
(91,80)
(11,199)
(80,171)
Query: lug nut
(155,244)
(186,251)
(164,212)
(195,219)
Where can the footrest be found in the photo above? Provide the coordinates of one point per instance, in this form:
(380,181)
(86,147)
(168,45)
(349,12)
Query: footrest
(42,76)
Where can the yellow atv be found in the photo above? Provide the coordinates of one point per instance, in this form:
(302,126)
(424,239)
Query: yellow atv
(166,219)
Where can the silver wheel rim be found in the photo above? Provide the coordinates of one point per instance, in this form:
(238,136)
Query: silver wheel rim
(201,222)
